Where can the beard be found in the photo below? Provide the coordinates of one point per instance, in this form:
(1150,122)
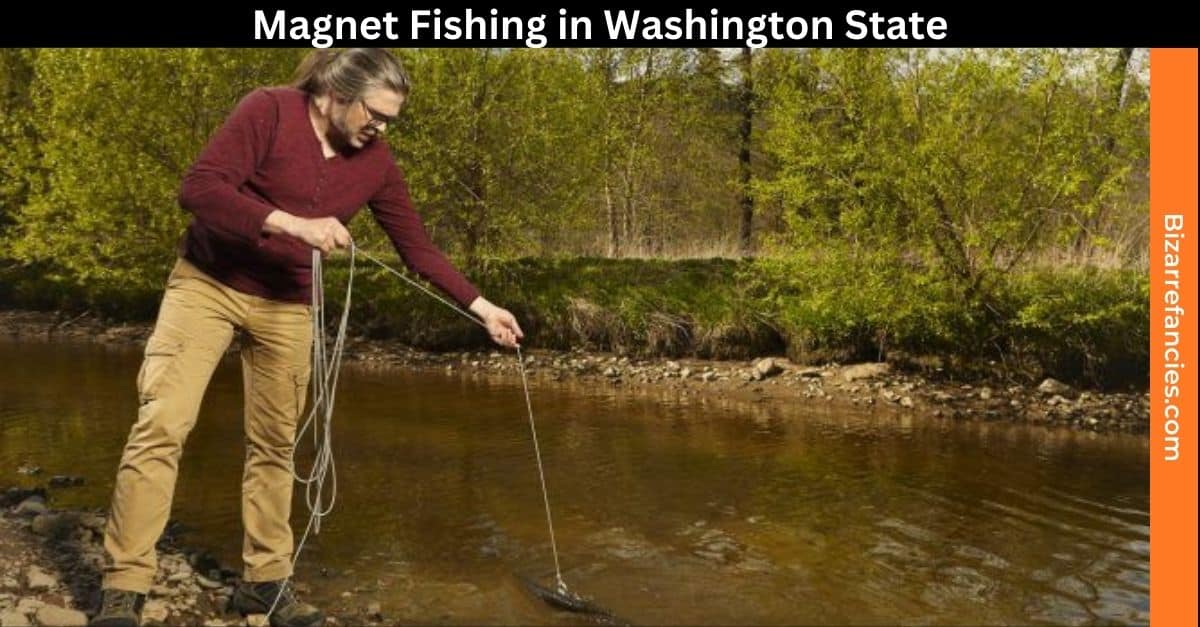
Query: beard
(344,140)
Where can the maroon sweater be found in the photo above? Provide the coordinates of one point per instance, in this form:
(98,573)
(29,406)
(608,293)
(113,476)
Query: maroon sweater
(266,156)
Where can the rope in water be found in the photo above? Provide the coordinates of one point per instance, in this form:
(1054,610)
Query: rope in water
(562,586)
(326,364)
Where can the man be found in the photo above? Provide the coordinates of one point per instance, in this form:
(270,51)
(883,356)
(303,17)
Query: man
(283,175)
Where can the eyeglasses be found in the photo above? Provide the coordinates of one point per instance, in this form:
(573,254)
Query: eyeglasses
(376,118)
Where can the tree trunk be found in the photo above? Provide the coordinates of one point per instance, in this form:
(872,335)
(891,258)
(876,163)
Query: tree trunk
(608,61)
(614,231)
(746,104)
(475,176)
(1121,76)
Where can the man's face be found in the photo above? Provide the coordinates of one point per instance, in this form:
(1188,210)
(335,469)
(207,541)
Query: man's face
(357,123)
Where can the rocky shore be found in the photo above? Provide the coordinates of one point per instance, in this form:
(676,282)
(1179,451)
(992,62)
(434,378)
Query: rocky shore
(929,391)
(51,560)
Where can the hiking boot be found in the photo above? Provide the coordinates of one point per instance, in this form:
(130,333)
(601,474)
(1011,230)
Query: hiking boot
(257,598)
(119,608)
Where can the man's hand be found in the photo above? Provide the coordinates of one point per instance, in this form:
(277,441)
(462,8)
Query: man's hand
(501,324)
(323,233)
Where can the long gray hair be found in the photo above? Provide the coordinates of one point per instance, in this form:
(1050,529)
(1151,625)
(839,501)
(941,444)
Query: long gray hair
(350,73)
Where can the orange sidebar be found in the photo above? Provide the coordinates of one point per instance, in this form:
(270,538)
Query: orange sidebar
(1173,359)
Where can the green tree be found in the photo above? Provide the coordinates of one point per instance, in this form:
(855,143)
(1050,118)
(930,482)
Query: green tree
(19,141)
(964,162)
(119,128)
(493,143)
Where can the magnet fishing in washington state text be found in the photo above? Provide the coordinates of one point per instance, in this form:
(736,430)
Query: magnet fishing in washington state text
(436,25)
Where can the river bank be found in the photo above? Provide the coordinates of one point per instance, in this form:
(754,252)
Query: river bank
(919,389)
(51,560)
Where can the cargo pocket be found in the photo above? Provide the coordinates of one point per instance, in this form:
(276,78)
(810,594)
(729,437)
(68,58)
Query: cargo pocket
(158,365)
(300,384)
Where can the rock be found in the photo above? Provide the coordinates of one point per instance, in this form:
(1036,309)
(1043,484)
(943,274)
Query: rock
(208,584)
(865,371)
(182,567)
(768,367)
(28,469)
(809,373)
(1054,387)
(84,536)
(155,610)
(54,616)
(985,394)
(9,583)
(611,372)
(755,375)
(29,605)
(13,496)
(906,401)
(94,522)
(53,525)
(203,562)
(65,481)
(708,376)
(214,622)
(375,610)
(12,618)
(43,524)
(159,591)
(685,373)
(179,577)
(672,366)
(257,620)
(37,579)
(31,506)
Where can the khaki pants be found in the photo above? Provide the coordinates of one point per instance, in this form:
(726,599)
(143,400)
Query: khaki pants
(196,323)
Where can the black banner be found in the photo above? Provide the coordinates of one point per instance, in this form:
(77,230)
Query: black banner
(536,26)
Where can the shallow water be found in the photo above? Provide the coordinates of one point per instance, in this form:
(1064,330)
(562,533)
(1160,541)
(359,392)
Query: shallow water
(665,511)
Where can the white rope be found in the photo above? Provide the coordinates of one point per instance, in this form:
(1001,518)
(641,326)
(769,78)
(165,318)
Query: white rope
(325,367)
(562,586)
(326,364)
